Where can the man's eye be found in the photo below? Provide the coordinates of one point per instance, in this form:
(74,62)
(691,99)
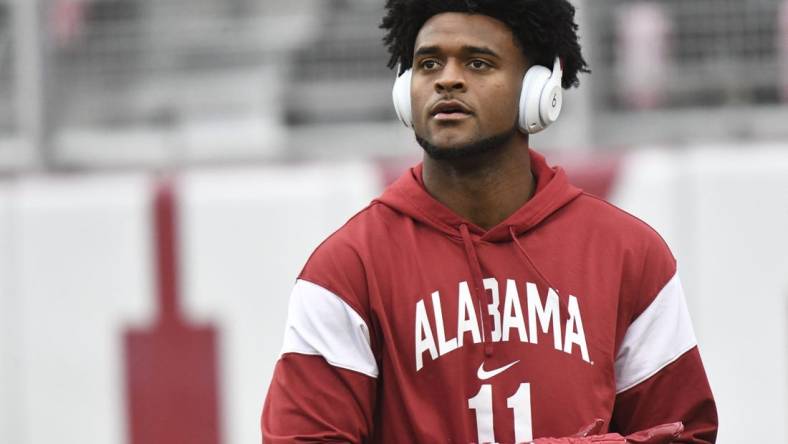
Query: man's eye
(479,64)
(429,64)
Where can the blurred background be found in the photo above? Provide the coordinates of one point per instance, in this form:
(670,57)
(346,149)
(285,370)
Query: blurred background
(167,166)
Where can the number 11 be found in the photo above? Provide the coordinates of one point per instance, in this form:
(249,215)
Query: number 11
(520,402)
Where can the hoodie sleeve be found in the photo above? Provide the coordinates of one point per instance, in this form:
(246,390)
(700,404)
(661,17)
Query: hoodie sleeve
(659,373)
(324,384)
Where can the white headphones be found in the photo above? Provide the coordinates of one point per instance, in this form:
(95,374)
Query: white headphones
(541,98)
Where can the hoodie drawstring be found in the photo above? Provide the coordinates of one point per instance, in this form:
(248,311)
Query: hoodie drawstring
(520,247)
(528,258)
(476,276)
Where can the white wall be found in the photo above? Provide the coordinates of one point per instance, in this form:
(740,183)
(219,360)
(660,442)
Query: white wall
(8,349)
(77,271)
(247,235)
(78,268)
(724,211)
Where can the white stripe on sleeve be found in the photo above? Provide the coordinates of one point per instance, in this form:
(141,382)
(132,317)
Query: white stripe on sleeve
(659,336)
(320,323)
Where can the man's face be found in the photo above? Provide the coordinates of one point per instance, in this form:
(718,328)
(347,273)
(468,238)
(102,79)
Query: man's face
(467,75)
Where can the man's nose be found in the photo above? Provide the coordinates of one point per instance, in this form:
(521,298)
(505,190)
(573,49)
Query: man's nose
(451,79)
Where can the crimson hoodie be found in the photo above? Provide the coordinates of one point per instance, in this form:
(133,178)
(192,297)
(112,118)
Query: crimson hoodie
(412,324)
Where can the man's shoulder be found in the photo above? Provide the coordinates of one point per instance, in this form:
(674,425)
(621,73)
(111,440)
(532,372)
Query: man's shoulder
(367,224)
(645,260)
(350,245)
(602,216)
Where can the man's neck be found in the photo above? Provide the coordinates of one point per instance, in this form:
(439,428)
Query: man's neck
(485,189)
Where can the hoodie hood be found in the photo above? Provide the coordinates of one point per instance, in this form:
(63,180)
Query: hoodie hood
(408,195)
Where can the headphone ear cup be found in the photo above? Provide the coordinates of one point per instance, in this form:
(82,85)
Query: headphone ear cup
(400,95)
(534,82)
(551,101)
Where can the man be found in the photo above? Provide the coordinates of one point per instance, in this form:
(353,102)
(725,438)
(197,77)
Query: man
(482,298)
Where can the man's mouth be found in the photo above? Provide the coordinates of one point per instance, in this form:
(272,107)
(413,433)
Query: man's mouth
(451,116)
(450,110)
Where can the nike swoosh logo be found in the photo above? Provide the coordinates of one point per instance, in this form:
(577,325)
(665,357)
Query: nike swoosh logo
(481,374)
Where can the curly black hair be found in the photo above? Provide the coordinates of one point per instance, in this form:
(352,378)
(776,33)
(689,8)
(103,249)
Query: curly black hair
(542,28)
